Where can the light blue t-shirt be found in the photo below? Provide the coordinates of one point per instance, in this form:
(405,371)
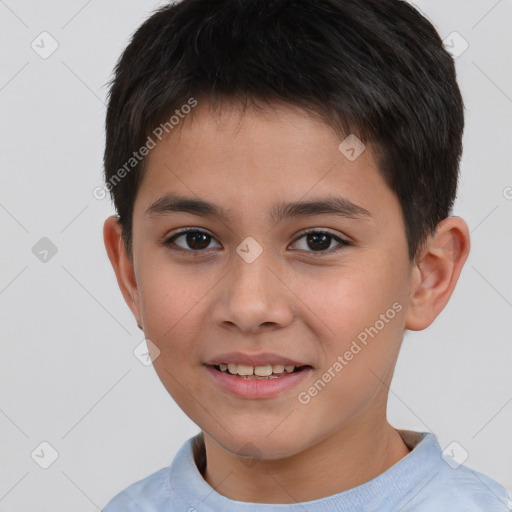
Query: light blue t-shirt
(423,481)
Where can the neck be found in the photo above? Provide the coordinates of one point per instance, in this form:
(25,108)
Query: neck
(346,459)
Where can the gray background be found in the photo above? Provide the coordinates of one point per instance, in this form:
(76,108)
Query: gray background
(68,375)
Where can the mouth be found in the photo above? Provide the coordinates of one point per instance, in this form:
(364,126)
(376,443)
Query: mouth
(254,376)
(261,372)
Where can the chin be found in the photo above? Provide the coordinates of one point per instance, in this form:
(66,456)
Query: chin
(258,445)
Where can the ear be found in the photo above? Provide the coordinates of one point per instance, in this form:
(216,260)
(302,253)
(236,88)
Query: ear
(122,264)
(436,272)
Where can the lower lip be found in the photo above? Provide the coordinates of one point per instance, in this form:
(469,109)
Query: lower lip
(257,388)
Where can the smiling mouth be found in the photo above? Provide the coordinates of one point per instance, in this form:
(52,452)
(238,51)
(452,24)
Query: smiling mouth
(264,372)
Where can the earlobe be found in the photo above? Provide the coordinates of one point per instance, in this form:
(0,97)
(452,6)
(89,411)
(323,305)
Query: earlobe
(122,265)
(436,272)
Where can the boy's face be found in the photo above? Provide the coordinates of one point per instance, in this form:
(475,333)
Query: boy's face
(304,298)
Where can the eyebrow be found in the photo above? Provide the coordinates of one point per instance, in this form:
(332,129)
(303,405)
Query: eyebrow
(331,205)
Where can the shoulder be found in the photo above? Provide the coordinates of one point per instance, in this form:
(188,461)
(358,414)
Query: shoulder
(145,495)
(469,489)
(458,488)
(164,490)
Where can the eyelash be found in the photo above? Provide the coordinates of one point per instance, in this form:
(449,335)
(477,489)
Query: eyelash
(169,242)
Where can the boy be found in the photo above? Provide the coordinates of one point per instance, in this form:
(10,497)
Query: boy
(283,173)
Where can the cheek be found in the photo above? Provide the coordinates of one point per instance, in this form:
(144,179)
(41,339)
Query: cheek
(359,316)
(346,300)
(171,297)
(173,313)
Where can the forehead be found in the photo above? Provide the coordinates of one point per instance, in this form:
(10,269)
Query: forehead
(249,161)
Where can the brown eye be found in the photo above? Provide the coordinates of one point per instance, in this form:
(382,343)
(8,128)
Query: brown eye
(320,242)
(197,240)
(193,240)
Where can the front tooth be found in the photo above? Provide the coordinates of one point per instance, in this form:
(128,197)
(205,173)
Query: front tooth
(263,371)
(289,369)
(277,368)
(243,369)
(232,368)
(223,367)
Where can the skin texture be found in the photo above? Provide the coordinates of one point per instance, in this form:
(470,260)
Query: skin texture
(292,300)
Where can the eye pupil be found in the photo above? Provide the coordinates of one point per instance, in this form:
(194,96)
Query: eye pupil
(319,240)
(196,236)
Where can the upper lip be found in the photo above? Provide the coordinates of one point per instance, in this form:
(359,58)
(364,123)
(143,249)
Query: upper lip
(257,359)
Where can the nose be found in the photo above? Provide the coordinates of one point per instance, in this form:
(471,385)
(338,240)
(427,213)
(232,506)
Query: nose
(254,297)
